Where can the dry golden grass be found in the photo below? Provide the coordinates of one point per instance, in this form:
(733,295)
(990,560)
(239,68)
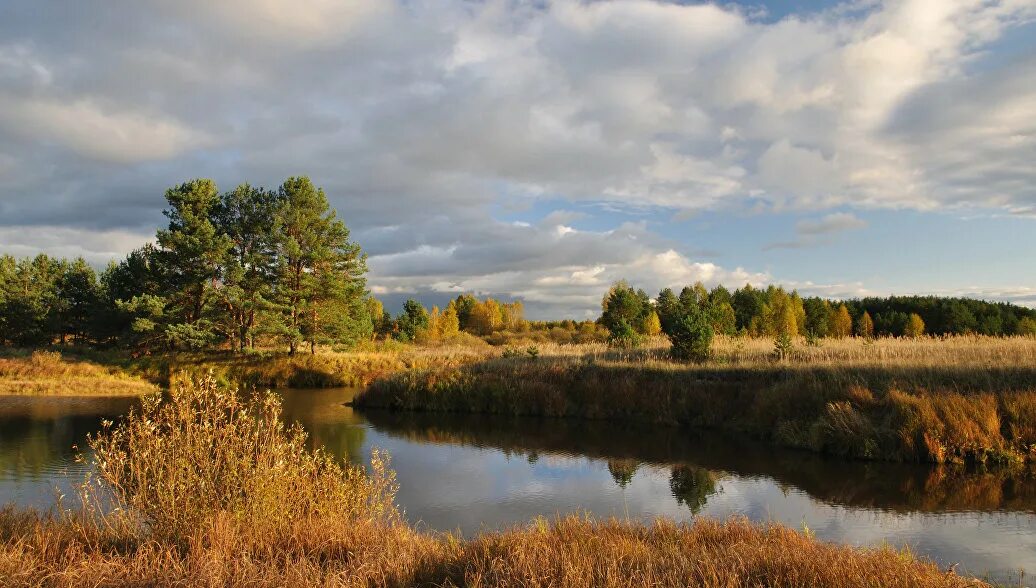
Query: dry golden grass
(965,350)
(211,490)
(47,373)
(912,400)
(325,369)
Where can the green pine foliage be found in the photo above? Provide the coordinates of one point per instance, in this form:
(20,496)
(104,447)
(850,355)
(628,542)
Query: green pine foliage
(228,269)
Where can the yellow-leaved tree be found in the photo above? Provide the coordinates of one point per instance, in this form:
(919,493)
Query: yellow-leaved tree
(449,322)
(865,326)
(914,327)
(841,323)
(652,324)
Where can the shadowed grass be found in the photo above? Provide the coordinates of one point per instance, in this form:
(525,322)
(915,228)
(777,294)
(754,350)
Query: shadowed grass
(930,400)
(208,489)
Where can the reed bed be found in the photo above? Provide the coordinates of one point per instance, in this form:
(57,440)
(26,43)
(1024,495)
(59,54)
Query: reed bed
(48,373)
(209,489)
(932,400)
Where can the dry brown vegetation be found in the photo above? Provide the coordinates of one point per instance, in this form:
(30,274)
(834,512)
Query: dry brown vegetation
(935,400)
(47,373)
(188,491)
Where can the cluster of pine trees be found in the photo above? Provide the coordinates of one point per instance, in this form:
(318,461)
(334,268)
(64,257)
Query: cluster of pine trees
(230,269)
(775,312)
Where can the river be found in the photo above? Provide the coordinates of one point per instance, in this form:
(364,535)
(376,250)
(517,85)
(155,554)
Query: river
(470,473)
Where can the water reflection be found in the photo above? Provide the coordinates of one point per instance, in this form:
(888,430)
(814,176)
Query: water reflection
(39,438)
(877,485)
(470,473)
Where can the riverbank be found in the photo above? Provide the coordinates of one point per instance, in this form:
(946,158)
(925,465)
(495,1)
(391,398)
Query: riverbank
(43,373)
(932,400)
(198,510)
(570,552)
(86,372)
(626,448)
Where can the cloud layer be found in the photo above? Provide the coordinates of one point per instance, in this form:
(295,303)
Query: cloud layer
(429,121)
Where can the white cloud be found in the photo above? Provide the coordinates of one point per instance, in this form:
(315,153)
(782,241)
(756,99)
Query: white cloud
(424,119)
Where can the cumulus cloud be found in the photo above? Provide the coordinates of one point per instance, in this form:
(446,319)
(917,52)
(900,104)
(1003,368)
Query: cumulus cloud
(428,122)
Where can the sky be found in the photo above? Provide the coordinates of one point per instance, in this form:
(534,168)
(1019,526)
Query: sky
(542,149)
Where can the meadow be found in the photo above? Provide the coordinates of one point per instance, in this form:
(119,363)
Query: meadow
(47,373)
(208,487)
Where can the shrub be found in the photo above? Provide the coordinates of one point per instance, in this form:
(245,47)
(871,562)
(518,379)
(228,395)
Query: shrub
(624,336)
(691,336)
(206,452)
(1027,327)
(783,346)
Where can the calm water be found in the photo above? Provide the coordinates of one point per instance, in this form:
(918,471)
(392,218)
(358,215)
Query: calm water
(474,473)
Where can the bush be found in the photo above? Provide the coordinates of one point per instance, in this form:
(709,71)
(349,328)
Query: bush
(205,452)
(624,336)
(691,336)
(783,345)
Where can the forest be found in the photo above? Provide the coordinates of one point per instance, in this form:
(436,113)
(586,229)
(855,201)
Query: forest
(276,267)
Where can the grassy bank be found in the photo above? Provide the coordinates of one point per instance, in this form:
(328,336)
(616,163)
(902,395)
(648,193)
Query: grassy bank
(212,490)
(326,369)
(82,371)
(932,400)
(48,373)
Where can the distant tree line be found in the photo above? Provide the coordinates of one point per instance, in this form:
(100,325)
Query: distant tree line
(693,317)
(230,269)
(464,314)
(467,317)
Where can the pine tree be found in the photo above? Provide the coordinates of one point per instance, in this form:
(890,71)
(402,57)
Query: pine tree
(79,295)
(191,251)
(623,309)
(139,274)
(465,304)
(667,306)
(412,321)
(30,300)
(748,303)
(818,316)
(247,217)
(320,286)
